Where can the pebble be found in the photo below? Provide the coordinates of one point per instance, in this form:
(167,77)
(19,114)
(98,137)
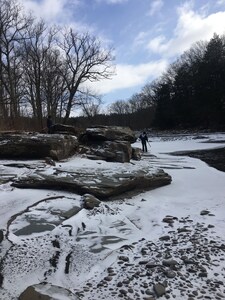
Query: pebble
(184,262)
(123,292)
(159,289)
(170,274)
(108,278)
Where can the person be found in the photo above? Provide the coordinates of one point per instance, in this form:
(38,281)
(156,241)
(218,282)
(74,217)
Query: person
(144,139)
(49,124)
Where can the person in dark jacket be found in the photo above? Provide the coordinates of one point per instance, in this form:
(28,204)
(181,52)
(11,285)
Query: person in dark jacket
(50,124)
(144,139)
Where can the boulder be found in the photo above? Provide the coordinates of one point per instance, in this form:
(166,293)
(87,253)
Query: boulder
(159,289)
(107,133)
(109,143)
(71,212)
(47,292)
(118,151)
(36,146)
(89,201)
(136,153)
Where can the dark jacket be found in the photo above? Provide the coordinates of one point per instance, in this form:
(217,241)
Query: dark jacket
(143,137)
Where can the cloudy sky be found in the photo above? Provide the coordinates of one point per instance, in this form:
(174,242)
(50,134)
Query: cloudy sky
(147,35)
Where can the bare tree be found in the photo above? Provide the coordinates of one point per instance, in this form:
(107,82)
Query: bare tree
(39,58)
(90,103)
(85,60)
(135,103)
(13,29)
(119,107)
(54,85)
(41,75)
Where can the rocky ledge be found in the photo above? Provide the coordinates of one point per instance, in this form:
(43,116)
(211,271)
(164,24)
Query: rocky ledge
(107,133)
(101,183)
(109,143)
(35,146)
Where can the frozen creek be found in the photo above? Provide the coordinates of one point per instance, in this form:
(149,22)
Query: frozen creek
(165,243)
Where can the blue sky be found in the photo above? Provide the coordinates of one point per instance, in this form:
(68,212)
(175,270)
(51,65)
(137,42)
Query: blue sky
(146,35)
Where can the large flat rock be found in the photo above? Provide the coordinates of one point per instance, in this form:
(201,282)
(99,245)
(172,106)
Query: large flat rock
(102,183)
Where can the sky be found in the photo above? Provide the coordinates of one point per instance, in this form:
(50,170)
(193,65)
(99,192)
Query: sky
(146,35)
(195,187)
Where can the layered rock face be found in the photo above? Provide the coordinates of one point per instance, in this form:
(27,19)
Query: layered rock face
(103,184)
(107,133)
(35,146)
(110,143)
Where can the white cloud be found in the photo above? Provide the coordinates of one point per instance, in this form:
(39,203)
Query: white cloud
(130,76)
(220,2)
(140,39)
(143,37)
(116,1)
(157,43)
(155,7)
(191,27)
(112,1)
(52,11)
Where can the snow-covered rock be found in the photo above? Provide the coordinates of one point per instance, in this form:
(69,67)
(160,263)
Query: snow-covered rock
(33,146)
(45,292)
(100,183)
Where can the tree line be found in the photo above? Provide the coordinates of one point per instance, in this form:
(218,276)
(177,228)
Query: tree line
(189,94)
(192,91)
(43,69)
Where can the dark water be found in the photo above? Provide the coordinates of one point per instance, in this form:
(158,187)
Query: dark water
(213,157)
(34,228)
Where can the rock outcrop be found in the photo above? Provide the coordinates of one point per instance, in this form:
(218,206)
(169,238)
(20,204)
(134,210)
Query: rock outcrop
(117,151)
(107,133)
(101,183)
(109,143)
(36,146)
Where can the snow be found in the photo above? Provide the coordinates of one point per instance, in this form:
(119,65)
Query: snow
(195,187)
